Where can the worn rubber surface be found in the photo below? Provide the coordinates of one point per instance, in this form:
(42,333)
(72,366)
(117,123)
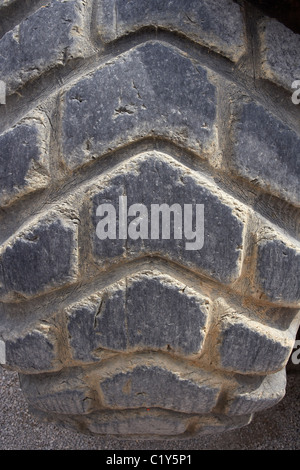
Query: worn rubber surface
(176,102)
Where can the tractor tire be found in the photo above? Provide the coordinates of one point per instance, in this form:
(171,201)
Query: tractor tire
(110,110)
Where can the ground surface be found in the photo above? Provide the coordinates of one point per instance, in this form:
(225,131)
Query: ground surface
(275,429)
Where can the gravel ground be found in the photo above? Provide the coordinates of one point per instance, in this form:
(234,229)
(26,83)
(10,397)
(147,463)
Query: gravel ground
(275,429)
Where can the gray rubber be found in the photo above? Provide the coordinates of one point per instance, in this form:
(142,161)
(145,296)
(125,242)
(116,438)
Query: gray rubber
(178,102)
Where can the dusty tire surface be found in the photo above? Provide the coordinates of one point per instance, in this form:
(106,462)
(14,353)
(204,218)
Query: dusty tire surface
(136,105)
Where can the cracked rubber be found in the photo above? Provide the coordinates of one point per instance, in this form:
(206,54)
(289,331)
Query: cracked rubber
(178,102)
